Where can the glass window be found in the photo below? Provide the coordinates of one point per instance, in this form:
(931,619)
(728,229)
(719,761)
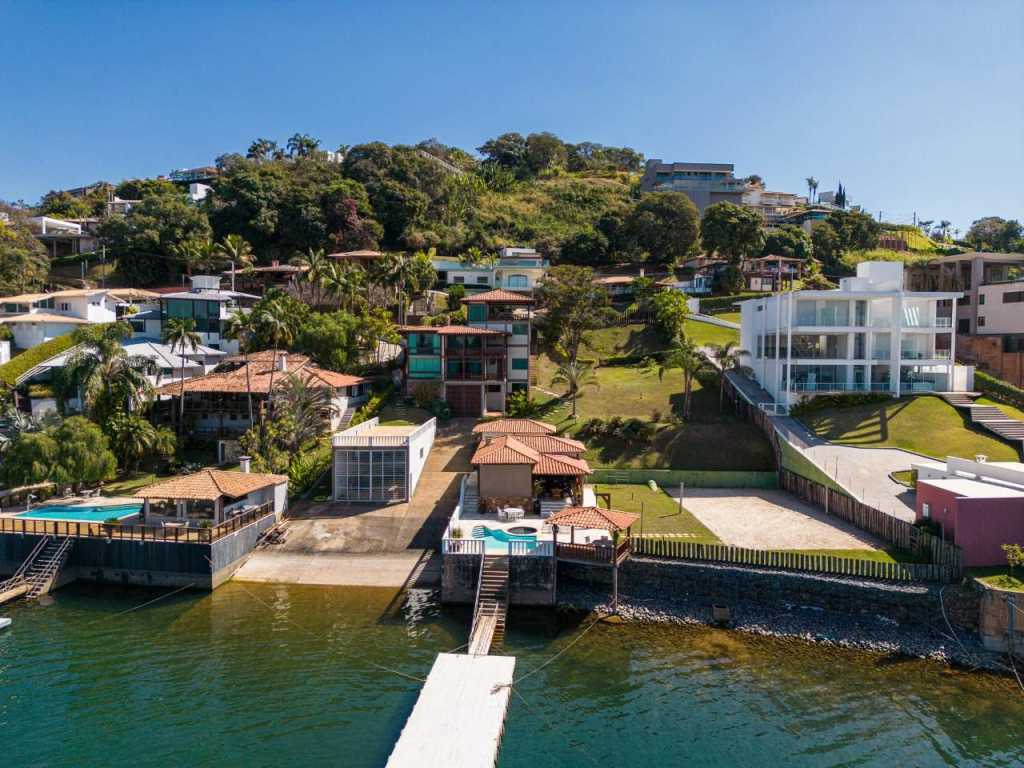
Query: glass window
(520,363)
(517,281)
(424,367)
(482,280)
(477,313)
(520,329)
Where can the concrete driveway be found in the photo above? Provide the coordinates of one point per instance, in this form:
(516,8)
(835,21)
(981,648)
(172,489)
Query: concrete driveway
(771,520)
(372,544)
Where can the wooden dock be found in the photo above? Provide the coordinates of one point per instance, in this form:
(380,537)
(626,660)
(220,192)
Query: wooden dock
(460,715)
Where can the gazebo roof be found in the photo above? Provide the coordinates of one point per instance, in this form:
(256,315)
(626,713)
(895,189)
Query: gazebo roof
(210,485)
(514,427)
(593,517)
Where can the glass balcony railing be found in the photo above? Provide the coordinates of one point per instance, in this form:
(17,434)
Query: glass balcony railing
(840,386)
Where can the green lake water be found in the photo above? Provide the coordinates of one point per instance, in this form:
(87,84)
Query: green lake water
(261,675)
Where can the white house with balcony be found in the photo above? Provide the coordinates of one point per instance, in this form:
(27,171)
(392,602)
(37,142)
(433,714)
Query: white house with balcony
(515,269)
(868,335)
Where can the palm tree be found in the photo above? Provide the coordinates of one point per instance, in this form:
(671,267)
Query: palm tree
(132,438)
(237,250)
(103,375)
(812,187)
(316,263)
(274,320)
(306,407)
(188,254)
(346,281)
(180,333)
(944,225)
(727,356)
(926,225)
(242,327)
(575,375)
(691,361)
(302,145)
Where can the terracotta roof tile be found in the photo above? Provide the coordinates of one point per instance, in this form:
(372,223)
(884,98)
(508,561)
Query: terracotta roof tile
(557,464)
(593,517)
(553,444)
(450,330)
(505,450)
(498,296)
(514,427)
(260,368)
(210,485)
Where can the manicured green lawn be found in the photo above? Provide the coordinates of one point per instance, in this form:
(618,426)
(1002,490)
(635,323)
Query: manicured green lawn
(733,317)
(705,334)
(659,513)
(639,340)
(999,577)
(925,424)
(1009,410)
(710,440)
(904,477)
(128,484)
(392,415)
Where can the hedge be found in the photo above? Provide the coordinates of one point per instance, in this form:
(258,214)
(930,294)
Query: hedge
(372,406)
(997,389)
(715,304)
(670,479)
(18,366)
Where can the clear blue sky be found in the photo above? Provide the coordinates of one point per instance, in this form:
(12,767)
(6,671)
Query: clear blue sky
(914,106)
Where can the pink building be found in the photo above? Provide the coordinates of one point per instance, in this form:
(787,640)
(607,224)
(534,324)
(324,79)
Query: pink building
(979,506)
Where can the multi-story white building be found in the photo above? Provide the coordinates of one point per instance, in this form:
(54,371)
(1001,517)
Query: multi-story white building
(34,318)
(868,335)
(516,269)
(209,307)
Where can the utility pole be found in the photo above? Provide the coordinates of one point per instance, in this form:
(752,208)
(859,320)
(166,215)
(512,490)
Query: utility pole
(103,261)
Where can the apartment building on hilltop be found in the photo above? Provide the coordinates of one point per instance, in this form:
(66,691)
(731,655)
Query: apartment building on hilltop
(704,183)
(868,335)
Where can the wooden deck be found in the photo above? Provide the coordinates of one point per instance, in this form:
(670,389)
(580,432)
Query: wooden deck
(460,715)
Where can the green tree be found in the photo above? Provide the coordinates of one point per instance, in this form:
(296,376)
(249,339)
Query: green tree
(306,410)
(331,340)
(544,151)
(261,150)
(665,225)
(856,230)
(101,374)
(242,326)
(132,438)
(727,355)
(690,361)
(347,281)
(507,150)
(575,375)
(572,306)
(996,234)
(732,231)
(23,261)
(280,327)
(788,240)
(302,145)
(30,458)
(180,333)
(1014,556)
(235,249)
(83,454)
(812,188)
(826,244)
(670,312)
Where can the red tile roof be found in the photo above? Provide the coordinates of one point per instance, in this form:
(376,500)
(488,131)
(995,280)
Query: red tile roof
(210,485)
(450,330)
(593,517)
(552,444)
(261,370)
(498,296)
(504,450)
(556,464)
(514,427)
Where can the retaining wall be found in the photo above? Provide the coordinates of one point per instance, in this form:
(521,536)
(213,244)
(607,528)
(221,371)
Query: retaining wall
(729,585)
(531,580)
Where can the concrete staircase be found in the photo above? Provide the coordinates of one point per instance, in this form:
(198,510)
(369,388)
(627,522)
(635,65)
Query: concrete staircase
(346,418)
(470,495)
(45,568)
(988,417)
(491,604)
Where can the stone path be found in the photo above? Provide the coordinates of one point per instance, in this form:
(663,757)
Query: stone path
(771,520)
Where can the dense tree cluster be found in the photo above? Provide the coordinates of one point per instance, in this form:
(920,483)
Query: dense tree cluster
(993,233)
(23,259)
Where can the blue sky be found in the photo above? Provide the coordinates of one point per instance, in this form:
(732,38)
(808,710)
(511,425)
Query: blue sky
(914,106)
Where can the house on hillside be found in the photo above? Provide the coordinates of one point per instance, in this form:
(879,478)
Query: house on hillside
(868,335)
(260,279)
(515,269)
(64,237)
(764,273)
(208,306)
(217,403)
(704,183)
(977,505)
(473,367)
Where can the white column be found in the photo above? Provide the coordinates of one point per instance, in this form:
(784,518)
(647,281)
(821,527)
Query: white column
(897,341)
(789,349)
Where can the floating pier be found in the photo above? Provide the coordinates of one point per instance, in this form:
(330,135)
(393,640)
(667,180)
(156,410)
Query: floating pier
(460,715)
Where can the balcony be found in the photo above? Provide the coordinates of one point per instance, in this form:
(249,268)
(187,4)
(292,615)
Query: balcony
(840,386)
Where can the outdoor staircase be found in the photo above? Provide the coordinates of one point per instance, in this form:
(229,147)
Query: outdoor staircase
(346,418)
(470,496)
(491,605)
(45,567)
(988,416)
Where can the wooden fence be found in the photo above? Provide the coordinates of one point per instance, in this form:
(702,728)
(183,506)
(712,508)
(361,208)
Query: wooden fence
(793,561)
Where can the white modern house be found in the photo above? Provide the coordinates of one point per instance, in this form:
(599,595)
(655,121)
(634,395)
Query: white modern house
(208,306)
(378,463)
(868,335)
(515,269)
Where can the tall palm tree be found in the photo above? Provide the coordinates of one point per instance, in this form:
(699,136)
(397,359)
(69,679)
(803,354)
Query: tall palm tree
(242,327)
(727,356)
(306,407)
(944,225)
(346,281)
(575,375)
(103,375)
(274,320)
(187,252)
(690,361)
(316,263)
(235,249)
(180,333)
(812,187)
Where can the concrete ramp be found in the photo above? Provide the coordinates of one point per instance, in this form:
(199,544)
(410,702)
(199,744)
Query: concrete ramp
(460,715)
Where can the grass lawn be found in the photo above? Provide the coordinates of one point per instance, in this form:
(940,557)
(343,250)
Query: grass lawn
(710,440)
(733,317)
(1009,410)
(637,339)
(126,485)
(393,415)
(999,577)
(704,334)
(904,477)
(924,424)
(659,513)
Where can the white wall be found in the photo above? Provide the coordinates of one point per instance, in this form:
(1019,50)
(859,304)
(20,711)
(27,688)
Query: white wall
(28,335)
(5,351)
(420,443)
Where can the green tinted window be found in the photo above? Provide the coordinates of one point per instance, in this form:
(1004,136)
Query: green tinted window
(477,313)
(520,363)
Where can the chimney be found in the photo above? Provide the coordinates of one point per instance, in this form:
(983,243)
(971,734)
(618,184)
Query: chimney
(245,462)
(282,362)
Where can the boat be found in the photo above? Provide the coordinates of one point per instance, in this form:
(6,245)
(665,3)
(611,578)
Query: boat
(4,623)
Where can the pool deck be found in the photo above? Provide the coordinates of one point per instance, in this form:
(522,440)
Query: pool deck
(74,501)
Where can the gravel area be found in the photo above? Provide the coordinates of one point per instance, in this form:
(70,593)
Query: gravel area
(772,520)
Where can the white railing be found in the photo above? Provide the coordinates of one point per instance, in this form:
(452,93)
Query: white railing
(839,386)
(462,546)
(775,409)
(531,548)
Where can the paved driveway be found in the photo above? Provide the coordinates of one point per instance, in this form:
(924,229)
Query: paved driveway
(371,544)
(771,520)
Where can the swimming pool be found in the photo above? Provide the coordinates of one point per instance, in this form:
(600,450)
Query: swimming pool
(497,540)
(82,513)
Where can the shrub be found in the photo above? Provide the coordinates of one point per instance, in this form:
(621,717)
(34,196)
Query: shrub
(520,406)
(716,304)
(372,407)
(423,394)
(999,390)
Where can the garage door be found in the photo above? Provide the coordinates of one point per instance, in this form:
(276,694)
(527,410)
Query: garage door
(464,400)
